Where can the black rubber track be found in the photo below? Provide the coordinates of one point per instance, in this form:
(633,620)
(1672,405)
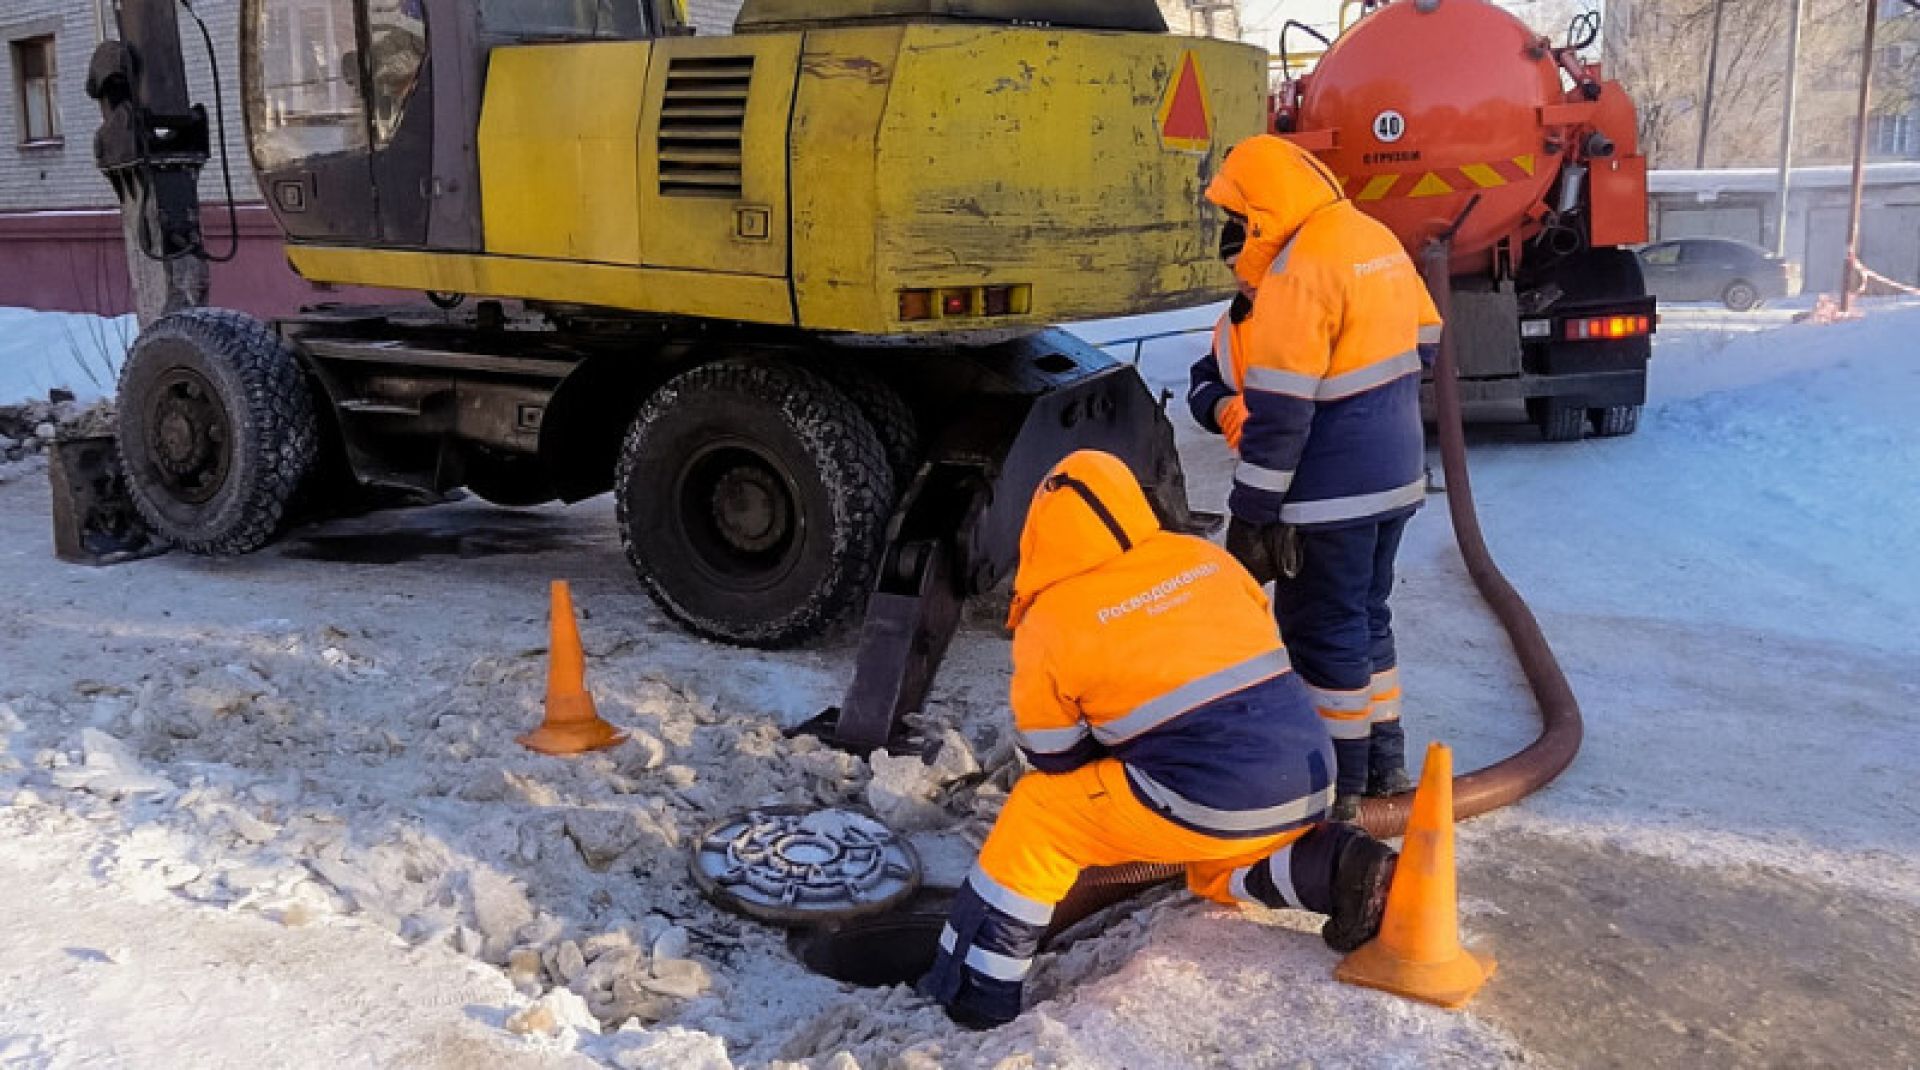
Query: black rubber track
(269,406)
(839,445)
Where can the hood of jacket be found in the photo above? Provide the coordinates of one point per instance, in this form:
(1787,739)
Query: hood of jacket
(1089,510)
(1275,185)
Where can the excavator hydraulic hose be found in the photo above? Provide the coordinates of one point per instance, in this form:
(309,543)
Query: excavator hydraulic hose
(1504,782)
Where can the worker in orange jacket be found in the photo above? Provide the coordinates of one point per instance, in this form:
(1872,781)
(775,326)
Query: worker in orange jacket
(1153,698)
(1315,380)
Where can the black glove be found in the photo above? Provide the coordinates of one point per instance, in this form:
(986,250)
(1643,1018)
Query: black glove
(1288,554)
(1250,545)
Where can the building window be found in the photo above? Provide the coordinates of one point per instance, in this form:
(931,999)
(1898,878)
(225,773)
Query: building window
(1895,135)
(33,73)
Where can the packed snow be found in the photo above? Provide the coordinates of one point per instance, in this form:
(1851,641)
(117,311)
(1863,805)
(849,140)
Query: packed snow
(279,804)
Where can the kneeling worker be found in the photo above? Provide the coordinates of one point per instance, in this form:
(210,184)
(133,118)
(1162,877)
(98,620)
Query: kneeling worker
(1153,697)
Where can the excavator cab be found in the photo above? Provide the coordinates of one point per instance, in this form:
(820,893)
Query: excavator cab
(362,113)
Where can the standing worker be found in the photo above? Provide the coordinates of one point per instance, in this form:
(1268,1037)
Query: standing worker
(1153,697)
(1315,381)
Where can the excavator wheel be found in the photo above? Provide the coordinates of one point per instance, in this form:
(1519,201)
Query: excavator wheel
(217,430)
(753,498)
(892,418)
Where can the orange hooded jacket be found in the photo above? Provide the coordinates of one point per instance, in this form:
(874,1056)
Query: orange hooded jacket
(1157,649)
(1326,362)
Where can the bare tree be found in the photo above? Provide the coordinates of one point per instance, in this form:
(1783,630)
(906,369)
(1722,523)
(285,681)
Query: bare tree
(1660,57)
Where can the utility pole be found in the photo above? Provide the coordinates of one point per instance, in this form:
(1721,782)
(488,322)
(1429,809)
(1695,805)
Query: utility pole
(1786,128)
(1859,158)
(1706,99)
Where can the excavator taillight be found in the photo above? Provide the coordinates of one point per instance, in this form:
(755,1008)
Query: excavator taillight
(1595,328)
(965,302)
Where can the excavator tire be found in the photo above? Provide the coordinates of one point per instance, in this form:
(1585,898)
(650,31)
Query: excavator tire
(217,430)
(752,498)
(892,418)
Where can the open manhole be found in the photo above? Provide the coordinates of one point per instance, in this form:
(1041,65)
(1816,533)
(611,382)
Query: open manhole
(796,866)
(894,948)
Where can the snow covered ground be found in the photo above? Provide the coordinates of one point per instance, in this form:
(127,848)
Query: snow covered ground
(271,810)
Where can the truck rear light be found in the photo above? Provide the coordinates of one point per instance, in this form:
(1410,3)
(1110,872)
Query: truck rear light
(1593,328)
(965,302)
(1536,328)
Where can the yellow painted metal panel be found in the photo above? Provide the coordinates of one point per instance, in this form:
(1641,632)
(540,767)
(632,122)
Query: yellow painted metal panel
(750,298)
(712,153)
(844,80)
(557,167)
(1035,156)
(1430,185)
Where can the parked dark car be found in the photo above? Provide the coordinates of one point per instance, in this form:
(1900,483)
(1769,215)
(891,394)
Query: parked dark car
(1733,273)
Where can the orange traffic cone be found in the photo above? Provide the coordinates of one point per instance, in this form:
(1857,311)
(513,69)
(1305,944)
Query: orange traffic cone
(572,725)
(1418,952)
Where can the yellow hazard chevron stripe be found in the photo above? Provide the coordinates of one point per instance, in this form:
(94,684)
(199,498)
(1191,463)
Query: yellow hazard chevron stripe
(1483,176)
(1377,187)
(1439,183)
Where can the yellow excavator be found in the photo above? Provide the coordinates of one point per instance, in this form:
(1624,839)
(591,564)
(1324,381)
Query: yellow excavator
(786,292)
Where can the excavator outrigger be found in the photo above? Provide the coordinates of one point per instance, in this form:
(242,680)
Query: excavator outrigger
(786,292)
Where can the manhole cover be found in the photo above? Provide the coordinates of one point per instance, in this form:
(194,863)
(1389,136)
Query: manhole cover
(793,865)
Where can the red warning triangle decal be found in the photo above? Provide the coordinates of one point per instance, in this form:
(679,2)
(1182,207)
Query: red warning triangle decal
(1186,122)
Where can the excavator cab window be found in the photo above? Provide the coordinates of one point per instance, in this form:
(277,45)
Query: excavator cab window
(362,113)
(534,20)
(397,48)
(305,98)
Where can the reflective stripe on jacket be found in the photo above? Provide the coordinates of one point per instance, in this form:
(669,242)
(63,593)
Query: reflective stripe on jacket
(1328,361)
(1160,650)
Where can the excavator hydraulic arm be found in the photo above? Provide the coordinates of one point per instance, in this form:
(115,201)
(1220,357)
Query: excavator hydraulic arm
(151,145)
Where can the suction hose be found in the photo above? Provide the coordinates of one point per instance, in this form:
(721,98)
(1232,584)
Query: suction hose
(1504,782)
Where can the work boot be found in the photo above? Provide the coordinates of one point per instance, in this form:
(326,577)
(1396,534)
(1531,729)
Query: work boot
(1361,876)
(1345,808)
(1387,760)
(1390,782)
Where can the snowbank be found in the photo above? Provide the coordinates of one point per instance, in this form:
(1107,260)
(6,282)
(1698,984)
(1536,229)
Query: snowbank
(40,351)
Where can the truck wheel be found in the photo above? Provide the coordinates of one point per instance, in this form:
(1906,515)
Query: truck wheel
(217,429)
(1614,420)
(753,499)
(1558,422)
(1740,296)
